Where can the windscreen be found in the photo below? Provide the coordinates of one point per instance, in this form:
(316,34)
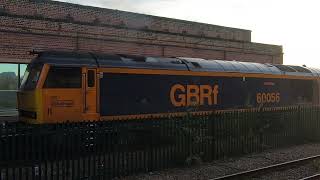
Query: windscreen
(31,77)
(63,77)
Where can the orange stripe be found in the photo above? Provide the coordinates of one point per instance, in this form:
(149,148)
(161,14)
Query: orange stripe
(197,113)
(192,73)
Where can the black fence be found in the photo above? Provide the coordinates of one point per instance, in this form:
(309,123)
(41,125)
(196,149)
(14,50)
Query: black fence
(103,150)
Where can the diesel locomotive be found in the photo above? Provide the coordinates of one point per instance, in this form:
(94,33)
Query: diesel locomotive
(70,86)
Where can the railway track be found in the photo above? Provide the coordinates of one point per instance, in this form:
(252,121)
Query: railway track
(8,115)
(8,112)
(315,176)
(272,168)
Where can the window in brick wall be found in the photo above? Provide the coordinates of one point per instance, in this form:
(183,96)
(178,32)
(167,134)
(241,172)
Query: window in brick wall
(10,78)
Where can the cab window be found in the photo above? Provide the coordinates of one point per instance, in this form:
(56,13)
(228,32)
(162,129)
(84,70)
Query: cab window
(63,77)
(31,77)
(91,78)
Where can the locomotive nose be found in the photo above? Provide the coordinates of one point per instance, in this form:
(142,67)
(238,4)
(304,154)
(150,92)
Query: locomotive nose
(27,106)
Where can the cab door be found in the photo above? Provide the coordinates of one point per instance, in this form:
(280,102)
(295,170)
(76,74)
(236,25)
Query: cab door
(90,85)
(62,92)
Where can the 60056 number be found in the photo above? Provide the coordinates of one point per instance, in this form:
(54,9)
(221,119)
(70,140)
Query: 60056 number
(268,98)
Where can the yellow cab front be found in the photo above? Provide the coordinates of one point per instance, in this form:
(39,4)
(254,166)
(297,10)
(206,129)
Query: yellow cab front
(57,93)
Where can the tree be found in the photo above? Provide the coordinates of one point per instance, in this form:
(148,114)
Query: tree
(8,81)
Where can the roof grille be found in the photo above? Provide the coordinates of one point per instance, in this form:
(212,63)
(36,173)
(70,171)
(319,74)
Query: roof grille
(195,64)
(300,69)
(285,68)
(134,58)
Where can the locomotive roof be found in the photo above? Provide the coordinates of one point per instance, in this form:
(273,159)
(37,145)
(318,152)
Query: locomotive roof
(178,63)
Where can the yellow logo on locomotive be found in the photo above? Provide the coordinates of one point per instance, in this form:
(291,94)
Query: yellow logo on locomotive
(193,95)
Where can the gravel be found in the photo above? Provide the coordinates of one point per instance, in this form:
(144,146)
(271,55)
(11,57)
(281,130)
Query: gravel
(293,173)
(232,165)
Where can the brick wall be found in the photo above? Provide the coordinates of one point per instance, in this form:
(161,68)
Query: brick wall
(27,25)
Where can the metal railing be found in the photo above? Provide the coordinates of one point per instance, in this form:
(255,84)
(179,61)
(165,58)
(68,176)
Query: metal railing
(103,150)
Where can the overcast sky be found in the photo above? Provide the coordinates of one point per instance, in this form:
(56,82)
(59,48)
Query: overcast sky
(291,23)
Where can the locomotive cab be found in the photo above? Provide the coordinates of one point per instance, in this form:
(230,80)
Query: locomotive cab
(52,92)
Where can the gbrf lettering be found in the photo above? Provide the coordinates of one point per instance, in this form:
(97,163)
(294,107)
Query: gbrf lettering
(193,95)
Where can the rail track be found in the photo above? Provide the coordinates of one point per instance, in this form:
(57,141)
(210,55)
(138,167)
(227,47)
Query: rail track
(8,112)
(272,168)
(315,176)
(8,115)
